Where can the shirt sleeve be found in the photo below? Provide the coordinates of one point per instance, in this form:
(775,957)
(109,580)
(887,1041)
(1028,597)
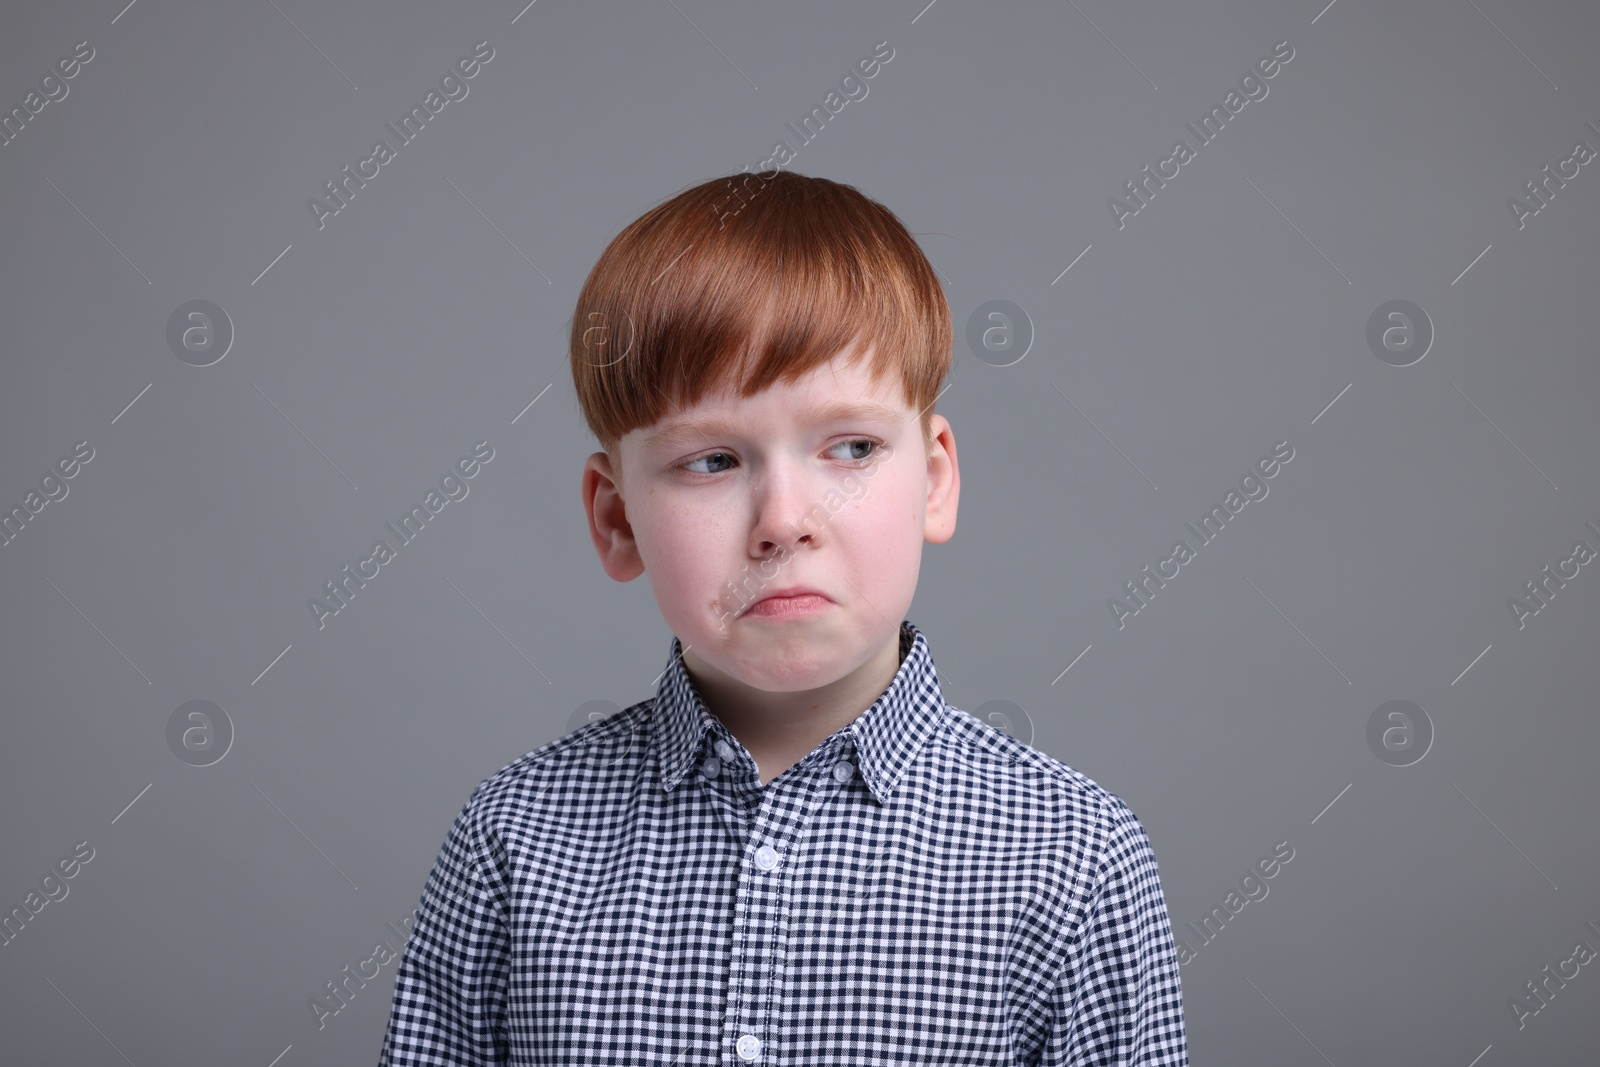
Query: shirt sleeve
(449,1001)
(1117,998)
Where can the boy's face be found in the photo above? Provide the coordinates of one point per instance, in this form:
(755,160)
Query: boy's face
(733,500)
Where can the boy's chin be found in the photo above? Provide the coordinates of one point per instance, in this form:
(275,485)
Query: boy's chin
(777,664)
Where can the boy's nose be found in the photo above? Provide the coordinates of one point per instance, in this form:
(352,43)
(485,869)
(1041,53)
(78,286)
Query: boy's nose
(784,503)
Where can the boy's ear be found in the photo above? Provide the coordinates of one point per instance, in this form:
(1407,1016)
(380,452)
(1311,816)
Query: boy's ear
(608,520)
(944,483)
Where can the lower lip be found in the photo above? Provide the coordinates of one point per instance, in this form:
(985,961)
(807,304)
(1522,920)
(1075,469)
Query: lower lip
(789,607)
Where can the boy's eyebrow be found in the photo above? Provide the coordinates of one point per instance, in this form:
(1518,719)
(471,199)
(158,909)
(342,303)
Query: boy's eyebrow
(687,432)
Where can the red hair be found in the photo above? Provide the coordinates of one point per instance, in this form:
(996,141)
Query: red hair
(749,280)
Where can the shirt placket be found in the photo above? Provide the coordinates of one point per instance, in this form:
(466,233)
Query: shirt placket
(761,917)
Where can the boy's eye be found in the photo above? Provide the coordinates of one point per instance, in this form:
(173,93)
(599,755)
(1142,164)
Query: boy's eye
(856,455)
(686,464)
(858,441)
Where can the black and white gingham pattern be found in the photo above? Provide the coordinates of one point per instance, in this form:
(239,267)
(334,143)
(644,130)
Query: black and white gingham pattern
(921,889)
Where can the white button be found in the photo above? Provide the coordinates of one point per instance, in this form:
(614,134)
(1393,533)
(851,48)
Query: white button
(749,1047)
(766,857)
(726,751)
(843,770)
(711,767)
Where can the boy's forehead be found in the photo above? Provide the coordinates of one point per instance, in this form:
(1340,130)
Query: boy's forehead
(810,410)
(832,392)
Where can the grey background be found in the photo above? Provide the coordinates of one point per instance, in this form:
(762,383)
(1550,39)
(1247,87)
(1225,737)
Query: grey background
(1228,315)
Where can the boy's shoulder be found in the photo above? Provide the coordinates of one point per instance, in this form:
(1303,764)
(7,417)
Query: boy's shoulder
(1005,758)
(615,742)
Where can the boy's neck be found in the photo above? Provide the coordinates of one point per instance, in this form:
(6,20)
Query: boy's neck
(781,729)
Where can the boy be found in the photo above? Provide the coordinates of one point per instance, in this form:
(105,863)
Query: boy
(796,852)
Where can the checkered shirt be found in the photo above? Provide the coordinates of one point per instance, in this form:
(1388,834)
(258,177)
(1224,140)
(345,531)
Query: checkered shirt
(921,889)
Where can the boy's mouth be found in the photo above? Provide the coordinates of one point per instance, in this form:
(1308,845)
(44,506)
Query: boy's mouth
(789,603)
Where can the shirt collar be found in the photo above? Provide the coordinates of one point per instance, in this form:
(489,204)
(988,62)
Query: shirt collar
(887,736)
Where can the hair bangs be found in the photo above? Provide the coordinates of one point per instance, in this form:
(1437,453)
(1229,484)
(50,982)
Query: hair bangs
(749,281)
